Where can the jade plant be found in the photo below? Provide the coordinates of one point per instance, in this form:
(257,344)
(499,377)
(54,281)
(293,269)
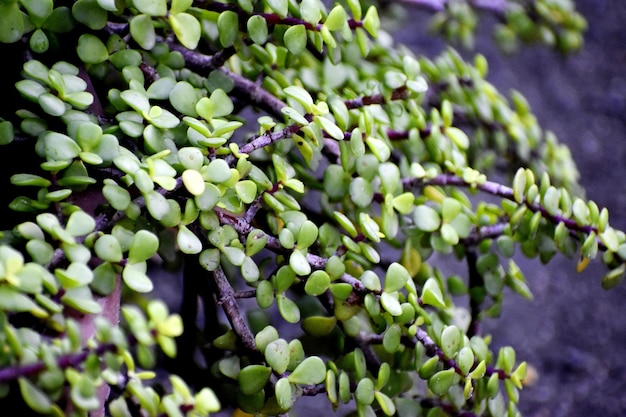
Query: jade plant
(307,178)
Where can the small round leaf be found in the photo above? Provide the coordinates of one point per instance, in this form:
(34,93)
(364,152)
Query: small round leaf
(310,371)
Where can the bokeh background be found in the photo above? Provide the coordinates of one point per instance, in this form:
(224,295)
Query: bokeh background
(574,332)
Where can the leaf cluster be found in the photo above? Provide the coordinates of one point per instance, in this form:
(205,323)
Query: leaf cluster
(307,176)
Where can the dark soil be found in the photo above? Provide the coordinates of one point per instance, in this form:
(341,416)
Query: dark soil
(574,332)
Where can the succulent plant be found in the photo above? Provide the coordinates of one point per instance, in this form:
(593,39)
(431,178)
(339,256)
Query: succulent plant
(307,177)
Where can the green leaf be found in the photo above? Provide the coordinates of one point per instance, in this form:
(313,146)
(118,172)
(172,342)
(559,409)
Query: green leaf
(246,190)
(465,359)
(371,22)
(222,105)
(87,12)
(249,270)
(336,18)
(179,6)
(14,300)
(310,371)
(118,197)
(253,378)
(299,263)
(137,100)
(257,29)
(295,39)
(234,255)
(255,242)
(51,104)
(183,97)
(11,22)
(451,339)
(228,27)
(41,251)
(614,277)
(39,41)
(364,393)
(151,7)
(206,402)
(379,148)
(34,397)
(277,355)
(458,137)
(283,279)
(431,294)
(371,281)
(391,304)
(396,277)
(294,115)
(104,277)
(88,135)
(288,309)
(143,246)
(80,224)
(317,283)
(307,234)
(386,404)
(81,300)
(191,157)
(162,118)
(30,180)
(7,132)
(265,294)
(187,241)
(108,249)
(426,218)
(369,227)
(300,95)
(441,382)
(329,127)
(450,208)
(210,259)
(479,370)
(318,326)
(284,393)
(193,181)
(391,338)
(310,11)
(449,234)
(157,204)
(187,29)
(217,171)
(404,203)
(91,50)
(134,276)
(506,245)
(361,192)
(142,31)
(264,337)
(279,6)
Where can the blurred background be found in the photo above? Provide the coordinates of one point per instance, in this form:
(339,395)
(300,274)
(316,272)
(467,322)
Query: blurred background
(574,332)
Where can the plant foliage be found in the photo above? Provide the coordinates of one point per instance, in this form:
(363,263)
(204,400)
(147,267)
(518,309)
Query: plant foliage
(311,179)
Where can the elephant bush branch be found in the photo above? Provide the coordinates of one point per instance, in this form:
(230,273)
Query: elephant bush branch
(300,171)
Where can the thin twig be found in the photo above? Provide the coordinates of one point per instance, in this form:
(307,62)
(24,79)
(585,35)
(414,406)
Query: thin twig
(226,298)
(502,191)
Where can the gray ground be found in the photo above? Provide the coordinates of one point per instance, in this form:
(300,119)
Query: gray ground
(574,332)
